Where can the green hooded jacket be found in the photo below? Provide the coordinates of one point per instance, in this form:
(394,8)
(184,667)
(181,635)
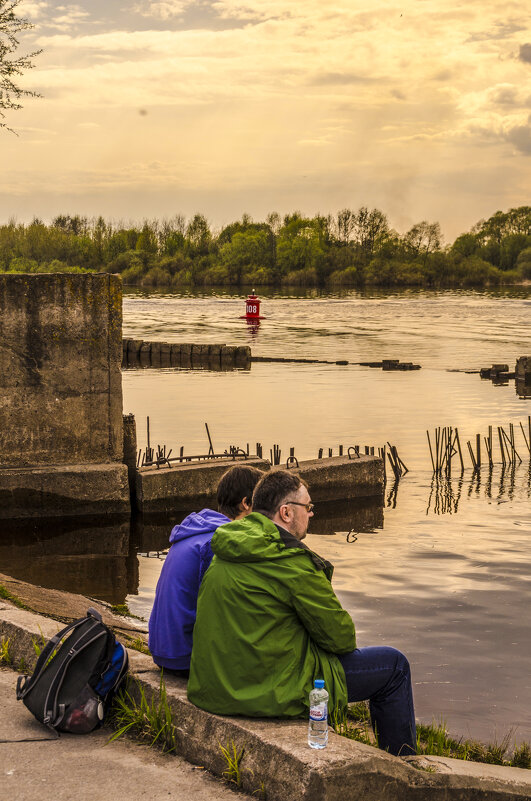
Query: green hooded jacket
(268,623)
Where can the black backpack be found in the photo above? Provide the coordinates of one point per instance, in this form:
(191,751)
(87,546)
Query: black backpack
(73,683)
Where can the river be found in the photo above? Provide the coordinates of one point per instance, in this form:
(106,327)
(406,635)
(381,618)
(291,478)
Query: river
(443,574)
(446,579)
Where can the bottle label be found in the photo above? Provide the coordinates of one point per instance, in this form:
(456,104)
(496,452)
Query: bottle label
(319,711)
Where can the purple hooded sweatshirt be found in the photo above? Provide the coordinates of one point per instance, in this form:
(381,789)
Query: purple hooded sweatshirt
(173,615)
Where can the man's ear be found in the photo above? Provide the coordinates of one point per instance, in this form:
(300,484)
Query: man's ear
(245,506)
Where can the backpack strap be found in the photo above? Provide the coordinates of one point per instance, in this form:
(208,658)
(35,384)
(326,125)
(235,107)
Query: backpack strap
(25,683)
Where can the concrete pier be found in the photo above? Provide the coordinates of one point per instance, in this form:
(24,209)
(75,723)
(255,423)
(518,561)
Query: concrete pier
(61,432)
(341,478)
(185,485)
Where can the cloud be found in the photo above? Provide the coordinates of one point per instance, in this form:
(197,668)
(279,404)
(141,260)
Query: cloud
(520,137)
(525,53)
(33,9)
(505,95)
(498,30)
(162,9)
(340,79)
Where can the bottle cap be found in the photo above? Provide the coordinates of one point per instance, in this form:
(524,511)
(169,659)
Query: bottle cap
(318,684)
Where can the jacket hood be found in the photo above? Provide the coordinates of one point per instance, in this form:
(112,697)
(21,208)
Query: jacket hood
(256,538)
(204,522)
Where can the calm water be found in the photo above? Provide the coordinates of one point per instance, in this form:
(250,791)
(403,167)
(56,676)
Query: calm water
(443,574)
(447,577)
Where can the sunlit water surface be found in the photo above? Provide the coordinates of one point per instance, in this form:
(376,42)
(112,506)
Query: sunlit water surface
(444,574)
(447,577)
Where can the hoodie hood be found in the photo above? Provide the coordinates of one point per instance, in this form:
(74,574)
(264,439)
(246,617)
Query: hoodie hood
(204,522)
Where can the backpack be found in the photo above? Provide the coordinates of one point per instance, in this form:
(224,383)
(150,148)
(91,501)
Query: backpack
(73,683)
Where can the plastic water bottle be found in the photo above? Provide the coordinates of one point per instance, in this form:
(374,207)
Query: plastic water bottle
(318,724)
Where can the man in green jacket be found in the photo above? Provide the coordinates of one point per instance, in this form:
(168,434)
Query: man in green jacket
(269,623)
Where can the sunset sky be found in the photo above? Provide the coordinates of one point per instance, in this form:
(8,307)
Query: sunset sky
(421,108)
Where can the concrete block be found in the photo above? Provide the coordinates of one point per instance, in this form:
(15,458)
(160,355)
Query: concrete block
(145,354)
(195,354)
(165,350)
(175,356)
(523,369)
(60,369)
(242,356)
(228,354)
(339,477)
(133,348)
(186,355)
(184,485)
(214,354)
(155,354)
(51,491)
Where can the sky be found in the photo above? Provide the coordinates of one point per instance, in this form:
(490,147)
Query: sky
(420,108)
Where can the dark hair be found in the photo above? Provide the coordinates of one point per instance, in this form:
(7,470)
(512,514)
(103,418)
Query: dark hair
(235,484)
(273,488)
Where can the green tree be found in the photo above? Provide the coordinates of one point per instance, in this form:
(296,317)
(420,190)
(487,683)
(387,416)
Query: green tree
(12,64)
(246,252)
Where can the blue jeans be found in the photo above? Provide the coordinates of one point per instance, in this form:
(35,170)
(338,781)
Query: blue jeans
(382,675)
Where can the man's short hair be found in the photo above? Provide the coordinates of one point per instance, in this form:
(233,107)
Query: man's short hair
(235,484)
(273,488)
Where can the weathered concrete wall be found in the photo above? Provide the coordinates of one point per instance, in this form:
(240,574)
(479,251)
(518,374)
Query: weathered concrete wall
(185,485)
(60,380)
(342,478)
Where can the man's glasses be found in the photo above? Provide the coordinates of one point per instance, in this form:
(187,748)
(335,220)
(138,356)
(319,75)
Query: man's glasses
(308,506)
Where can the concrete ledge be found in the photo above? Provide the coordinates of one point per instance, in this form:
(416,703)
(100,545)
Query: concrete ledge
(276,757)
(338,477)
(171,488)
(63,490)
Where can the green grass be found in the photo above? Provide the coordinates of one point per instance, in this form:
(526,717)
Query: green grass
(434,740)
(8,596)
(233,757)
(149,721)
(5,652)
(138,644)
(355,724)
(124,611)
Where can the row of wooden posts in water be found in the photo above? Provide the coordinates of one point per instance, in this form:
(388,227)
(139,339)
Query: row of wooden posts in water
(447,445)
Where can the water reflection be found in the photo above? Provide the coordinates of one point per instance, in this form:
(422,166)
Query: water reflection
(88,556)
(501,483)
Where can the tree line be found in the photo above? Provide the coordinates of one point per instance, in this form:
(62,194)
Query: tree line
(353,248)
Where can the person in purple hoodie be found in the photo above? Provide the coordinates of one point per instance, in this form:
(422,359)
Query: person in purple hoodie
(172,618)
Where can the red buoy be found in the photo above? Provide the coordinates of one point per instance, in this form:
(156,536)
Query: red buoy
(252,308)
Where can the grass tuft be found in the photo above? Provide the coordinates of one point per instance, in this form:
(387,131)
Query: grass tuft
(233,757)
(354,724)
(149,721)
(138,644)
(5,652)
